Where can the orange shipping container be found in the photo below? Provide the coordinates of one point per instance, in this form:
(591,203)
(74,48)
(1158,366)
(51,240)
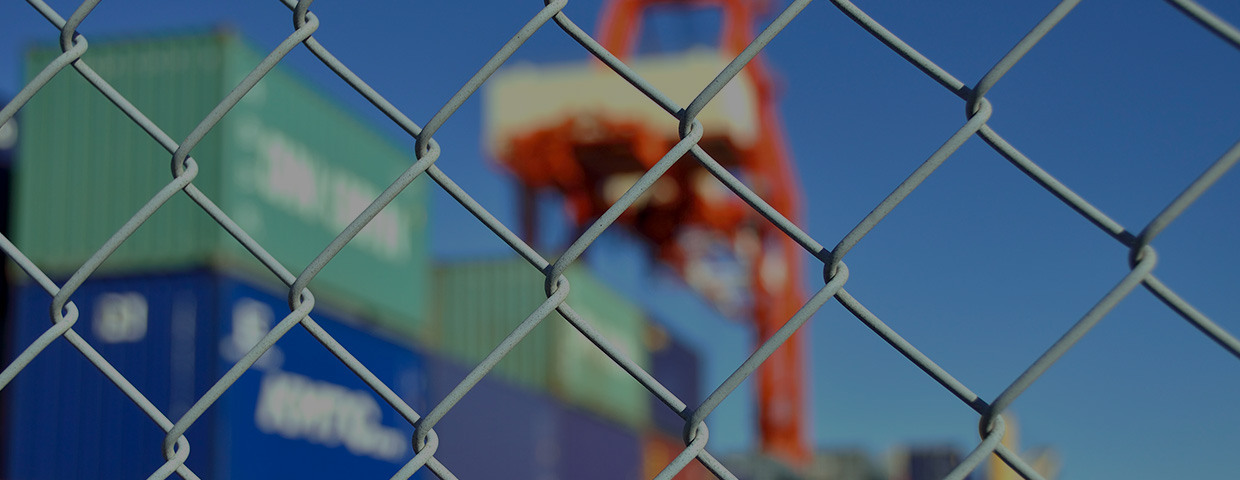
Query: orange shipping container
(658,451)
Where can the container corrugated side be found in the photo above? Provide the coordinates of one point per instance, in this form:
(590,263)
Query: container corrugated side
(498,430)
(300,169)
(594,448)
(84,168)
(300,412)
(583,374)
(480,303)
(68,421)
(289,166)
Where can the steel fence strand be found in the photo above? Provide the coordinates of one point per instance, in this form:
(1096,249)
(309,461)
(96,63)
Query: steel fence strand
(929,367)
(478,211)
(1017,52)
(734,67)
(366,376)
(692,451)
(1209,20)
(634,370)
(343,71)
(474,376)
(990,441)
(1055,187)
(903,49)
(616,209)
(586,41)
(758,204)
(484,73)
(42,78)
(217,389)
(109,247)
(1187,197)
(1192,315)
(766,348)
(360,221)
(69,30)
(175,447)
(902,191)
(1073,335)
(264,67)
(910,352)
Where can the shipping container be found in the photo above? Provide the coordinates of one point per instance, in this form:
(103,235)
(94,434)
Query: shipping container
(481,302)
(595,448)
(498,430)
(298,413)
(659,450)
(842,464)
(676,365)
(758,466)
(66,420)
(925,462)
(289,166)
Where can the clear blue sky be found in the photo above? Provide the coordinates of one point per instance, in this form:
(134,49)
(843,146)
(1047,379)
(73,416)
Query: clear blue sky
(1125,102)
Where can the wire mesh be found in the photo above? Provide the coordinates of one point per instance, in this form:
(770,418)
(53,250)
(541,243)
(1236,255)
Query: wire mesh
(1138,246)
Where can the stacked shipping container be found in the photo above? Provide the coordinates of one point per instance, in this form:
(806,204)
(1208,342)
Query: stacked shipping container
(480,303)
(181,301)
(289,167)
(298,413)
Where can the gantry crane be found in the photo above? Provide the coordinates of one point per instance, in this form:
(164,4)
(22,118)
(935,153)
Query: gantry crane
(583,132)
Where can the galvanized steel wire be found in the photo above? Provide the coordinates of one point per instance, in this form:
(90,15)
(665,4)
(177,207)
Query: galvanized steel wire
(1138,247)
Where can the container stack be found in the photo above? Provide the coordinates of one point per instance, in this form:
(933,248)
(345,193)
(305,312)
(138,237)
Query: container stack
(481,302)
(181,300)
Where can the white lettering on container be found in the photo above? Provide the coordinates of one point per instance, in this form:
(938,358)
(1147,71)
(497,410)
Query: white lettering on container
(292,178)
(120,317)
(297,407)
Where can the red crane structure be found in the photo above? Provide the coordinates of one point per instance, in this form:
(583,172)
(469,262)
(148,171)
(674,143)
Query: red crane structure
(583,132)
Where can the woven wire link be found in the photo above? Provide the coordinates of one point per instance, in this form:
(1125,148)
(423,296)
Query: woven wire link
(176,449)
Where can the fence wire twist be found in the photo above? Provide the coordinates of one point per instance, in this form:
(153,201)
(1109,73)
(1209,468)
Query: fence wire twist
(176,449)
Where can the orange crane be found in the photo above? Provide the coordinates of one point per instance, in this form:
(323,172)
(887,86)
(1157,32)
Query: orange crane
(582,132)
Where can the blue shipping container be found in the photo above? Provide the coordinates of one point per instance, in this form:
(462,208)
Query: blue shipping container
(498,430)
(297,413)
(676,365)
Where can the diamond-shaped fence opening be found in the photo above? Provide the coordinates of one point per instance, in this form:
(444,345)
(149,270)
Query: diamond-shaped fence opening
(368,218)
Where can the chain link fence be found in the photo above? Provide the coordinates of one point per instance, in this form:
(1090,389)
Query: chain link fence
(1136,244)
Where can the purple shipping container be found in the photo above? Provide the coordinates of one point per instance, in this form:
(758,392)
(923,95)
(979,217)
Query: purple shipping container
(676,365)
(498,430)
(297,413)
(597,449)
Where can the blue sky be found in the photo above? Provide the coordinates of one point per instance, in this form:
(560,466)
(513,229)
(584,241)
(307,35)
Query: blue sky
(1125,102)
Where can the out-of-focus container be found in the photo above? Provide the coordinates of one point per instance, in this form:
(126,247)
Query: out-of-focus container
(480,303)
(290,167)
(298,413)
(594,448)
(659,450)
(676,365)
(758,466)
(842,464)
(924,462)
(498,430)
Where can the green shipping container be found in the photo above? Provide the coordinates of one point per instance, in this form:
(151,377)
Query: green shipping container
(289,166)
(480,303)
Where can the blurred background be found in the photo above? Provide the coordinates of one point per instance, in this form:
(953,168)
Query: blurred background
(981,269)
